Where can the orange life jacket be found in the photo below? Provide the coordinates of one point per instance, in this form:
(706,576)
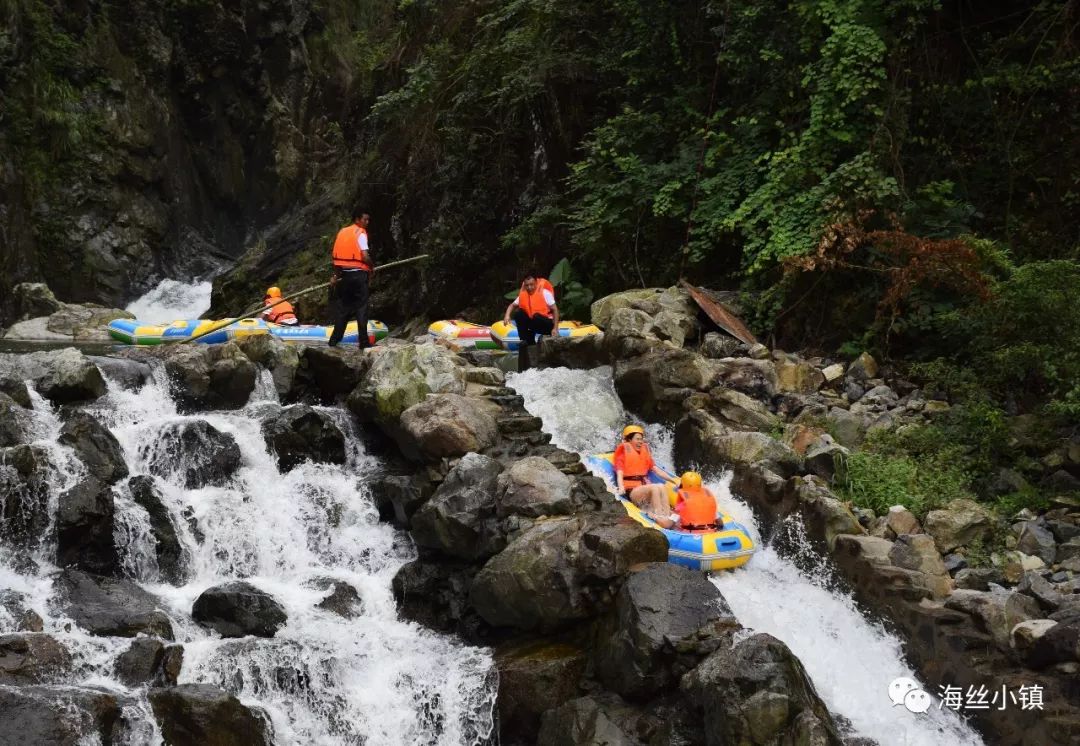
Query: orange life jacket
(280,313)
(636,465)
(533,303)
(347,253)
(696,508)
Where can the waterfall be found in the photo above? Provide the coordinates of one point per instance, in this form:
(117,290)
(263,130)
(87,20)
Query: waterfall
(850,659)
(171,300)
(322,678)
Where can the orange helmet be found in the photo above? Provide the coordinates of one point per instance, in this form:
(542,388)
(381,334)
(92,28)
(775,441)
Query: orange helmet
(274,292)
(691,480)
(630,430)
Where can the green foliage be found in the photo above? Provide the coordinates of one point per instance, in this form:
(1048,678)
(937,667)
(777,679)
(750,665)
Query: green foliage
(879,480)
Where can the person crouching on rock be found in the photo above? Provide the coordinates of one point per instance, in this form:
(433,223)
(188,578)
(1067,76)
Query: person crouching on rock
(278,311)
(696,506)
(633,463)
(536,314)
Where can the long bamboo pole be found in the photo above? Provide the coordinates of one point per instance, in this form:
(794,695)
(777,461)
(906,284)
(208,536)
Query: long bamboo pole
(311,289)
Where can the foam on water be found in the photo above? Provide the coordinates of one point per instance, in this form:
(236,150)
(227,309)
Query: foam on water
(850,659)
(172,300)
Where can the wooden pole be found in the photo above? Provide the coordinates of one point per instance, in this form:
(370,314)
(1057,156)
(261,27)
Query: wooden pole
(312,289)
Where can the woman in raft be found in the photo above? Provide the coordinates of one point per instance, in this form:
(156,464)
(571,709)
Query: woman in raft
(633,462)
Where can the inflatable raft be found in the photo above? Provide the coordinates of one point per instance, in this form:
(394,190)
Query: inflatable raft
(135,332)
(725,549)
(463,334)
(506,335)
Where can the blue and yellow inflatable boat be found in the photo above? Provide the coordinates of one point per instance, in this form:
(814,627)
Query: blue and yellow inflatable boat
(728,548)
(506,335)
(135,332)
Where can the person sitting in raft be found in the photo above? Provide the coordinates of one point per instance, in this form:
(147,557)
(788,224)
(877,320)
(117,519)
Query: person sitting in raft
(633,462)
(696,505)
(278,313)
(536,314)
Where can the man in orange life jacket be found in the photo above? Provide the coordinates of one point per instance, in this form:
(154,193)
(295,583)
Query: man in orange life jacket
(352,266)
(278,311)
(536,314)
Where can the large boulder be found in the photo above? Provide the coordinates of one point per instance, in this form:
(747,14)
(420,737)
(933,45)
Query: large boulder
(399,497)
(192,453)
(757,692)
(280,358)
(208,376)
(655,384)
(129,374)
(459,520)
(109,606)
(1058,644)
(58,715)
(239,609)
(666,619)
(95,446)
(1037,540)
(603,309)
(332,372)
(797,376)
(32,658)
(62,376)
(573,352)
(917,552)
(959,523)
(434,593)
(848,428)
(996,612)
(167,547)
(299,433)
(594,720)
(33,300)
(534,487)
(205,715)
(701,438)
(629,333)
(755,378)
(562,570)
(142,663)
(15,425)
(447,425)
(739,411)
(26,473)
(534,677)
(85,521)
(825,516)
(402,377)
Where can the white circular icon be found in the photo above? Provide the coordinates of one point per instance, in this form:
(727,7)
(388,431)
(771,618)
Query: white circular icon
(899,689)
(917,701)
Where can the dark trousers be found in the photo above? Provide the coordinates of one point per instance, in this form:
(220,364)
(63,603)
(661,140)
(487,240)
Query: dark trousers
(529,326)
(351,293)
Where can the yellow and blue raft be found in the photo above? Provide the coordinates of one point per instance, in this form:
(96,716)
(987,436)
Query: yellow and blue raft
(135,332)
(725,549)
(506,335)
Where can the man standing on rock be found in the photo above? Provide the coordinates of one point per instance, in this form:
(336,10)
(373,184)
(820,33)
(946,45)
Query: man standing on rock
(352,266)
(536,313)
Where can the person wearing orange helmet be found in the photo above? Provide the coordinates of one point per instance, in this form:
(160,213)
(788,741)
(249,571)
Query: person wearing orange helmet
(633,464)
(696,505)
(278,311)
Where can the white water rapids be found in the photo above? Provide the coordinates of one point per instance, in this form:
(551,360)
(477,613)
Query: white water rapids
(850,660)
(172,300)
(322,679)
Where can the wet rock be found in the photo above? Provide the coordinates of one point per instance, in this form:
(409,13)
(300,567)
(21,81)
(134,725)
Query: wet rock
(24,495)
(204,714)
(95,446)
(997,612)
(716,345)
(863,368)
(208,376)
(1058,644)
(85,517)
(194,453)
(960,523)
(825,516)
(62,715)
(403,496)
(580,353)
(402,377)
(299,433)
(562,570)
(171,664)
(130,374)
(141,663)
(167,547)
(447,425)
(329,373)
(17,606)
(534,487)
(1037,540)
(758,692)
(459,519)
(62,376)
(16,389)
(34,299)
(109,606)
(14,422)
(665,620)
(535,677)
(701,438)
(343,599)
(655,384)
(595,720)
(902,521)
(917,552)
(30,658)
(278,357)
(434,594)
(238,609)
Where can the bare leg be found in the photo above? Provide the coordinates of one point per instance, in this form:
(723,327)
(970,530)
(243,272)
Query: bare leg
(652,499)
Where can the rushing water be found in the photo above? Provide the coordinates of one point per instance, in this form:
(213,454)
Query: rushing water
(172,300)
(322,679)
(850,659)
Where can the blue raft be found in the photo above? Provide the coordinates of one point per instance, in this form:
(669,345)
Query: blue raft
(725,549)
(135,332)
